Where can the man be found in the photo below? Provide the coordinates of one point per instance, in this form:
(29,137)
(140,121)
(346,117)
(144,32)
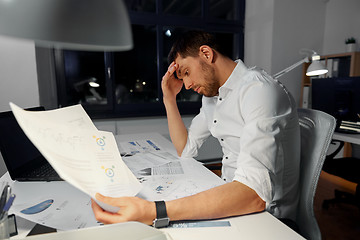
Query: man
(255,120)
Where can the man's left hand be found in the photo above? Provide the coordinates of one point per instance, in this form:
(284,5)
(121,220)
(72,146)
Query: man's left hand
(131,209)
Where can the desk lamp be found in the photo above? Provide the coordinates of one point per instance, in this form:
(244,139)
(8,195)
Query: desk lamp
(92,82)
(93,25)
(315,68)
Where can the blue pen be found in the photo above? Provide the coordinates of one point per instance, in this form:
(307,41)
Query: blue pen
(9,203)
(5,196)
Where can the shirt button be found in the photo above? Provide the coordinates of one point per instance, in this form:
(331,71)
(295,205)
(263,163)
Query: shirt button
(215,121)
(226,158)
(222,139)
(220,99)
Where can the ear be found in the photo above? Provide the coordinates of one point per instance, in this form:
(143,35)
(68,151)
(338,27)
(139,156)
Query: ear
(206,53)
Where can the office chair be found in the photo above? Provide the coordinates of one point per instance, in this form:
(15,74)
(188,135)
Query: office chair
(316,129)
(346,168)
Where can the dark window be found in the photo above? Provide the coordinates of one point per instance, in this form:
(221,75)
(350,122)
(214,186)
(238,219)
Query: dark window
(225,9)
(85,77)
(141,5)
(182,8)
(135,71)
(128,84)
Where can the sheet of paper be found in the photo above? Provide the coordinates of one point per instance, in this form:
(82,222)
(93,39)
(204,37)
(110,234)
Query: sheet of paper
(54,204)
(75,117)
(169,185)
(86,158)
(132,147)
(171,168)
(62,206)
(148,160)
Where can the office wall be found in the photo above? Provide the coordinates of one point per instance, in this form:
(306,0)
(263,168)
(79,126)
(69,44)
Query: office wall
(276,30)
(18,77)
(342,21)
(259,24)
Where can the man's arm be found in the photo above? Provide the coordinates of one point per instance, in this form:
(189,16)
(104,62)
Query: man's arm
(230,199)
(171,87)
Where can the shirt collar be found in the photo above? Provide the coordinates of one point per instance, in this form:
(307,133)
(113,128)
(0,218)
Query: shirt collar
(233,80)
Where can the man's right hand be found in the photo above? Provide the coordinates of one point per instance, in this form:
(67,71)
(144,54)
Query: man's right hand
(171,85)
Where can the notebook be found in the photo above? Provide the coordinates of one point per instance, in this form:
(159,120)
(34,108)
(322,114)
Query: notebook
(22,159)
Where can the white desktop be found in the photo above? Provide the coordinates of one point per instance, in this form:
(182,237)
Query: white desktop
(254,226)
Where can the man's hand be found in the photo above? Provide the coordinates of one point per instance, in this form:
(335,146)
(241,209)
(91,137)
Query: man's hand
(170,85)
(131,209)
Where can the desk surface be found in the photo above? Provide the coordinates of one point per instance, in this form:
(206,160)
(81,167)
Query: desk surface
(254,226)
(346,137)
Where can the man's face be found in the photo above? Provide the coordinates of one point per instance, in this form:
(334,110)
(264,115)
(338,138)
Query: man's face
(197,75)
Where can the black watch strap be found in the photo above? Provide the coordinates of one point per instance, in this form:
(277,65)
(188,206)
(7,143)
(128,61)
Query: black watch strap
(160,209)
(161,219)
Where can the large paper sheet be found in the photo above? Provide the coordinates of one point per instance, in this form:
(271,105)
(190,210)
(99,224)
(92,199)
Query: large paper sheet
(55,204)
(178,179)
(83,156)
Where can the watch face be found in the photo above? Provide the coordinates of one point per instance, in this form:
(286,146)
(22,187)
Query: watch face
(162,222)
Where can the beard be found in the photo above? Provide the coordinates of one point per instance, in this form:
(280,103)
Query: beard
(211,86)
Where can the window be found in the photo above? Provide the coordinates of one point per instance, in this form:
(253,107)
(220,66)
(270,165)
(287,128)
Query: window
(128,84)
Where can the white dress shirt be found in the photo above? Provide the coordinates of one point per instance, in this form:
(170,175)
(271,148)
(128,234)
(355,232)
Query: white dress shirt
(255,120)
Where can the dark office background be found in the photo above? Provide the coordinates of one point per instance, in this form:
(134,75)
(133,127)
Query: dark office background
(130,81)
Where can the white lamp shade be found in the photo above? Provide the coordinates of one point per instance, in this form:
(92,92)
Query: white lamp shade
(316,68)
(69,24)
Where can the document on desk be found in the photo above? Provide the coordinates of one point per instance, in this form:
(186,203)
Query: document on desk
(139,146)
(55,204)
(192,179)
(144,155)
(83,156)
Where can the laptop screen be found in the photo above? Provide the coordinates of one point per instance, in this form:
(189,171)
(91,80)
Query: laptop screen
(18,152)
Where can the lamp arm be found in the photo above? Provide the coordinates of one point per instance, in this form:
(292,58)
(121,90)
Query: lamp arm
(288,69)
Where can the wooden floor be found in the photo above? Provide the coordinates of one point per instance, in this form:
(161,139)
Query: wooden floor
(340,221)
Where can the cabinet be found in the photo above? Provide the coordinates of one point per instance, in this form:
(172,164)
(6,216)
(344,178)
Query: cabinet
(339,65)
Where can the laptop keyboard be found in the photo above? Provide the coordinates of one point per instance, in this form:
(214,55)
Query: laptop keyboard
(44,173)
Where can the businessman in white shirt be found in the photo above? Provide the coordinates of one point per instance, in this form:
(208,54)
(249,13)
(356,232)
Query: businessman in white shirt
(255,120)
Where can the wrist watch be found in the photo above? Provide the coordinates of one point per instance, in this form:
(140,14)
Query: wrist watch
(162,219)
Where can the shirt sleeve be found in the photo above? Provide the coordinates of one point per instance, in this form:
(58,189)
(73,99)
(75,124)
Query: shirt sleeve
(198,132)
(264,107)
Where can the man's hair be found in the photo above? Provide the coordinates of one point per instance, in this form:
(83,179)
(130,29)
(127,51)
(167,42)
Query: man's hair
(188,44)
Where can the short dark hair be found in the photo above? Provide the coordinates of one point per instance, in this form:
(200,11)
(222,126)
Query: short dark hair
(188,44)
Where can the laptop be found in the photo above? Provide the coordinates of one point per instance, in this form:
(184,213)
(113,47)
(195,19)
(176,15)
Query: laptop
(23,160)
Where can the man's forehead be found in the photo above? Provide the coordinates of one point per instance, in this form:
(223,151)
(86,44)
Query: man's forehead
(181,62)
(179,59)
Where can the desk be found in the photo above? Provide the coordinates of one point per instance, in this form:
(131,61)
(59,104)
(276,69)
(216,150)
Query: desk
(350,138)
(254,226)
(347,138)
